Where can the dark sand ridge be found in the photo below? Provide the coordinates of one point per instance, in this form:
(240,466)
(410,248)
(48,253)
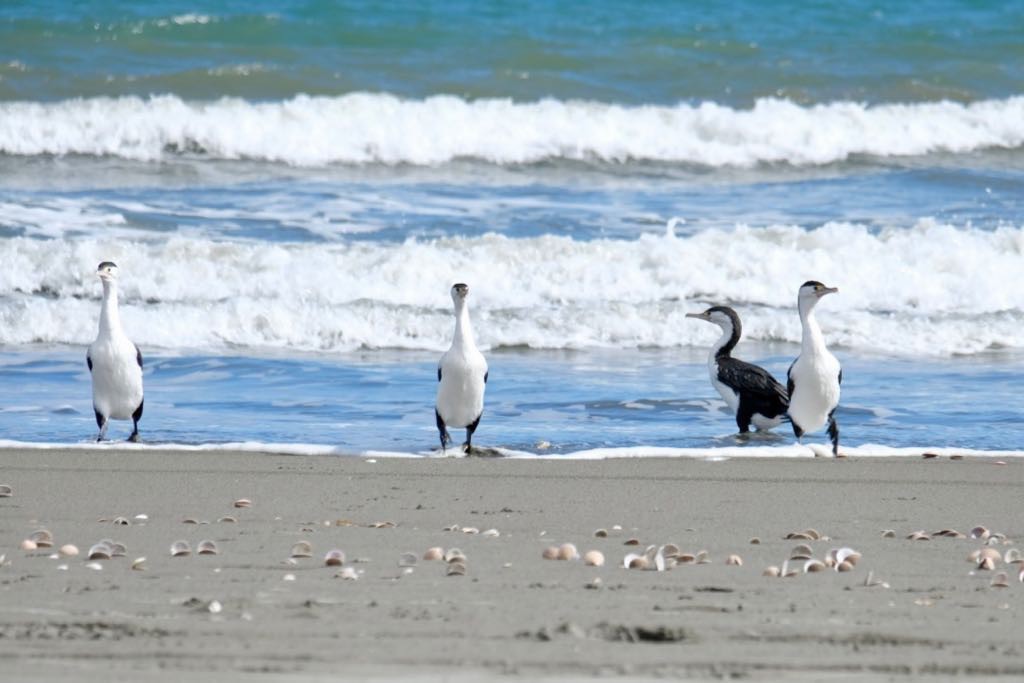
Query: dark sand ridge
(513,613)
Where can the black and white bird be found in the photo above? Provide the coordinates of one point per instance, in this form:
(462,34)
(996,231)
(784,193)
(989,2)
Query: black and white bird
(751,393)
(115,363)
(815,375)
(461,376)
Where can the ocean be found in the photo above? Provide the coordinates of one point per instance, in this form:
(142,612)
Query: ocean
(291,188)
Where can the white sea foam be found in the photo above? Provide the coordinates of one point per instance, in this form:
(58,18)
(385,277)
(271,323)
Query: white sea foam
(931,289)
(791,451)
(380,128)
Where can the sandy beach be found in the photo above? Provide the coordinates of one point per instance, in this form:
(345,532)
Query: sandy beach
(930,615)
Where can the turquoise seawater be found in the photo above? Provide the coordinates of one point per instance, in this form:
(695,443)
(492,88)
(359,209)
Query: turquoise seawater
(290,189)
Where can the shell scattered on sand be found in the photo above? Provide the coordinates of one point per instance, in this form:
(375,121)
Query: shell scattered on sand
(593,558)
(95,566)
(334,558)
(1013,556)
(139,564)
(567,551)
(121,521)
(801,552)
(6,491)
(771,570)
(457,568)
(288,577)
(1000,580)
(889,533)
(755,541)
(100,551)
(348,573)
(42,538)
(632,541)
(243,503)
(302,550)
(68,550)
(28,544)
(435,553)
(814,566)
(490,533)
(980,532)
(734,561)
(601,533)
(180,549)
(227,519)
(919,536)
(454,555)
(550,553)
(949,533)
(471,530)
(870,581)
(207,547)
(407,560)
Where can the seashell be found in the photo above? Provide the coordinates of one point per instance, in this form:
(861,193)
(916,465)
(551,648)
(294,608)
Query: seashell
(207,547)
(593,558)
(42,538)
(770,571)
(62,567)
(214,607)
(1012,555)
(456,569)
(632,541)
(844,566)
(799,536)
(190,520)
(228,519)
(454,555)
(593,584)
(180,549)
(302,550)
(243,503)
(348,573)
(288,577)
(949,533)
(755,541)
(801,552)
(334,558)
(734,560)
(138,564)
(919,536)
(550,553)
(141,517)
(845,554)
(670,550)
(117,549)
(995,537)
(703,557)
(686,558)
(434,553)
(635,561)
(28,544)
(490,533)
(121,521)
(786,572)
(987,564)
(980,532)
(453,527)
(6,491)
(567,551)
(929,456)
(814,566)
(68,550)
(407,560)
(96,566)
(100,551)
(601,533)
(383,525)
(813,533)
(616,527)
(470,530)
(661,563)
(888,533)
(1000,580)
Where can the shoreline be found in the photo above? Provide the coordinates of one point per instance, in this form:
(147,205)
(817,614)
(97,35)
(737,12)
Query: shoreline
(513,613)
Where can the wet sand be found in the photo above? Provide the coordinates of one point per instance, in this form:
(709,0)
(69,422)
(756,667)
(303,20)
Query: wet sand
(513,613)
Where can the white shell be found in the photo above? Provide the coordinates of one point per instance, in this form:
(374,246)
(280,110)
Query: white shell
(68,550)
(593,558)
(734,560)
(207,547)
(243,503)
(214,607)
(491,533)
(138,564)
(180,549)
(302,549)
(567,551)
(100,551)
(435,553)
(42,538)
(334,558)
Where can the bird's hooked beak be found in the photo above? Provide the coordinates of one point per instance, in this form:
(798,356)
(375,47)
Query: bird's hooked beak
(699,316)
(827,290)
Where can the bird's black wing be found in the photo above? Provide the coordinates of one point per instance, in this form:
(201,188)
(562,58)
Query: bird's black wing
(789,378)
(138,356)
(438,373)
(88,360)
(749,378)
(486,375)
(840,375)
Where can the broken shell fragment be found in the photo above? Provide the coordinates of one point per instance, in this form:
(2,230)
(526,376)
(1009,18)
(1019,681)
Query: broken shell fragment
(434,553)
(491,533)
(987,564)
(949,533)
(190,520)
(68,550)
(138,564)
(100,551)
(1000,580)
(456,569)
(302,549)
(686,558)
(334,558)
(567,551)
(919,536)
(454,555)
(96,566)
(593,558)
(42,538)
(734,560)
(593,584)
(703,557)
(1012,556)
(243,503)
(550,553)
(121,521)
(180,549)
(288,577)
(6,491)
(472,530)
(207,547)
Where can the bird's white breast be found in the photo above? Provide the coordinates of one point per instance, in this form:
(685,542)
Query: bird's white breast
(730,397)
(815,389)
(460,394)
(116,376)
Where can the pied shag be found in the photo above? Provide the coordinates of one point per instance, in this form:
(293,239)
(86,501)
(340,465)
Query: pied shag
(815,375)
(115,363)
(752,394)
(462,377)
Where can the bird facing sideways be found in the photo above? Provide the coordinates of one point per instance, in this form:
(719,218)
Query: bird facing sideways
(115,363)
(751,393)
(462,377)
(815,376)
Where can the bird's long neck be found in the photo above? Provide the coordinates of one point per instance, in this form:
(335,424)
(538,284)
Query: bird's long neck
(726,343)
(110,318)
(811,340)
(463,328)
